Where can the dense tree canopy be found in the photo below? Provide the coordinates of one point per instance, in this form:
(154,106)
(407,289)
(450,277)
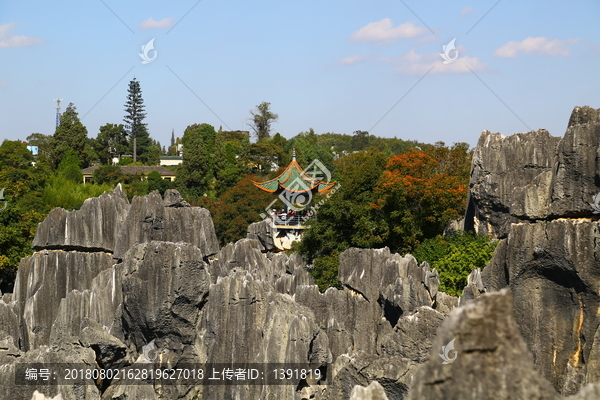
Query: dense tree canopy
(388,191)
(419,192)
(396,201)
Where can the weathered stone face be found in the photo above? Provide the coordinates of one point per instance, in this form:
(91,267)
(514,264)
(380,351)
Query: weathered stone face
(534,176)
(43,281)
(492,360)
(550,256)
(149,219)
(94,227)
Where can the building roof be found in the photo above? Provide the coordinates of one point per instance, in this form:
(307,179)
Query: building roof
(294,179)
(135,169)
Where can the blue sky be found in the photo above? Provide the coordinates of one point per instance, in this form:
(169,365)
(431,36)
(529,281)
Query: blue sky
(331,65)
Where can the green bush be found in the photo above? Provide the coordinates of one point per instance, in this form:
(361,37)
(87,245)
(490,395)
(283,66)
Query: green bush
(156,182)
(325,272)
(62,192)
(455,257)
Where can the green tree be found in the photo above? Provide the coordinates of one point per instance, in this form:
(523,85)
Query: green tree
(262,118)
(14,154)
(308,149)
(152,156)
(22,183)
(264,154)
(230,159)
(111,141)
(70,134)
(107,174)
(69,167)
(360,140)
(156,182)
(196,174)
(44,145)
(139,138)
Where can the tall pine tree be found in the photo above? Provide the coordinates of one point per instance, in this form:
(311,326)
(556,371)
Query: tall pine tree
(139,138)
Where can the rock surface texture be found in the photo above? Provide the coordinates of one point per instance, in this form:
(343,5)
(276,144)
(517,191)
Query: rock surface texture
(98,293)
(534,192)
(116,284)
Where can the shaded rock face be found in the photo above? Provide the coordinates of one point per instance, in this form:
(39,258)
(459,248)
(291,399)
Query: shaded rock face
(553,269)
(149,219)
(110,224)
(263,232)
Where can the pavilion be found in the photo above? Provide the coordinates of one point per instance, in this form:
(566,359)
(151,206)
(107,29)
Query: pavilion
(296,188)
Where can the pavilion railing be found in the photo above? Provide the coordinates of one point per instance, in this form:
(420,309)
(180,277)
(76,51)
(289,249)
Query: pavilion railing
(291,220)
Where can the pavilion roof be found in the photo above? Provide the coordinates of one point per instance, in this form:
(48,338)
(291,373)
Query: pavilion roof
(294,179)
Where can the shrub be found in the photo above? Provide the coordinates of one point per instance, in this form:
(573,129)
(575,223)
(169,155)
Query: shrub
(455,257)
(325,272)
(63,192)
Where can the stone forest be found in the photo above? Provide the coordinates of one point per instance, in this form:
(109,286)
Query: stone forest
(118,284)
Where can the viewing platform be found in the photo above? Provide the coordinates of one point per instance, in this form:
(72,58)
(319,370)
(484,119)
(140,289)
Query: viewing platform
(282,221)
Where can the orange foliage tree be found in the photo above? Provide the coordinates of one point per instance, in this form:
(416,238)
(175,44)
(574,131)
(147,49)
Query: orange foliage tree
(420,191)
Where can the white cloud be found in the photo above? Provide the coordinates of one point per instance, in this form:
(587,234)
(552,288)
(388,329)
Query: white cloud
(7,39)
(466,10)
(163,23)
(540,45)
(383,31)
(358,58)
(418,64)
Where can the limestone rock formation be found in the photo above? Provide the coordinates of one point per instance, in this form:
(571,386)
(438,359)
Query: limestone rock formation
(372,392)
(534,176)
(94,227)
(534,192)
(490,360)
(160,278)
(116,284)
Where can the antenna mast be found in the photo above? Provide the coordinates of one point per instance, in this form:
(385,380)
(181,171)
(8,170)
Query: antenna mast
(57,100)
